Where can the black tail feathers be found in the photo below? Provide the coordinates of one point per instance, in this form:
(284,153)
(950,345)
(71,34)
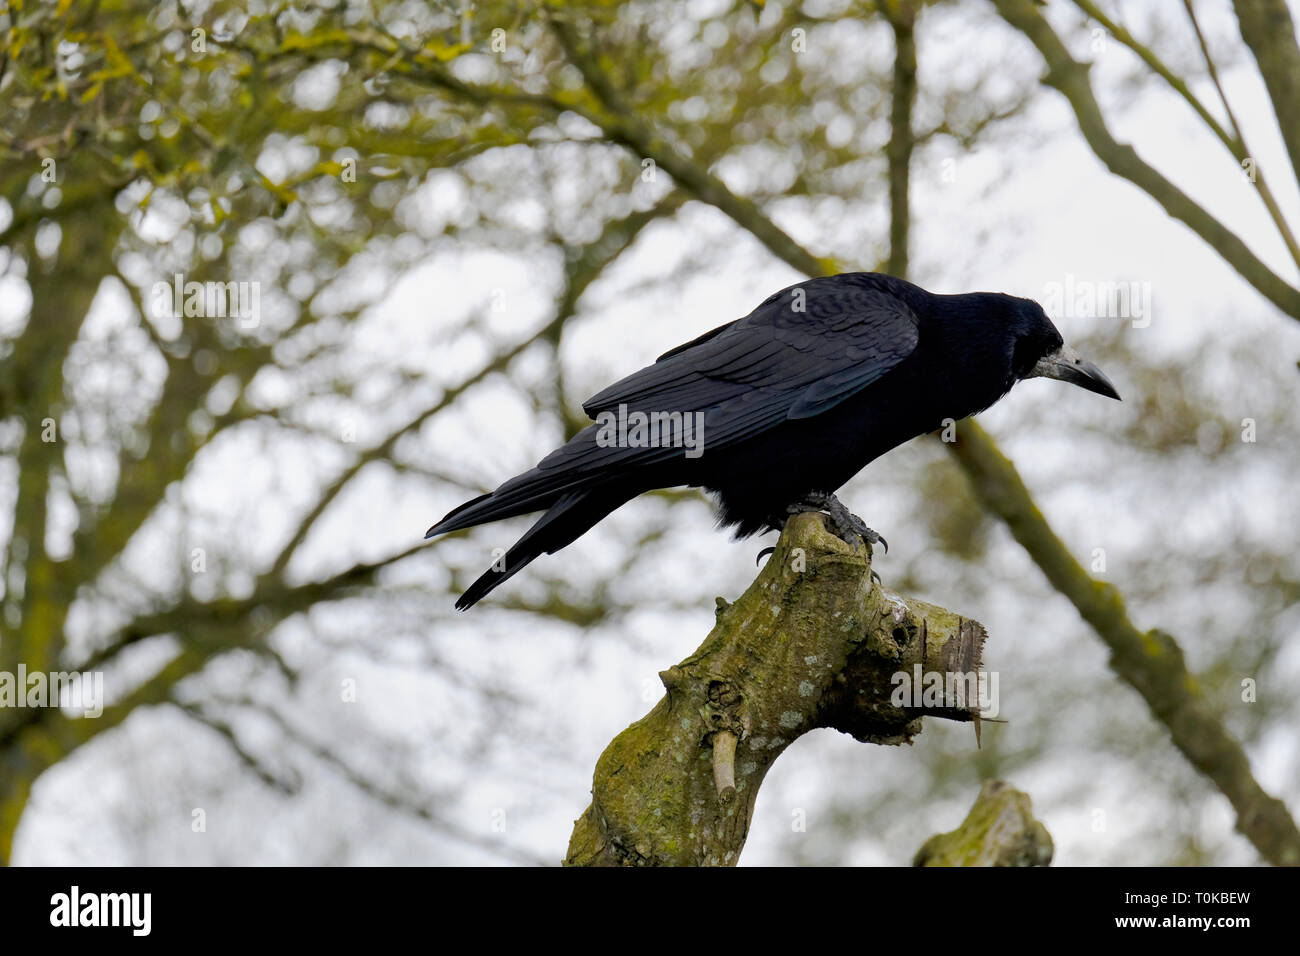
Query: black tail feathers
(571,516)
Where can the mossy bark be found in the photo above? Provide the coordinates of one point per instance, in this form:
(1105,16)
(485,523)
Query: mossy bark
(814,642)
(1000,830)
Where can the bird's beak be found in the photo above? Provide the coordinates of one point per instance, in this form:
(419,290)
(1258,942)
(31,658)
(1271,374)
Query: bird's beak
(1066,365)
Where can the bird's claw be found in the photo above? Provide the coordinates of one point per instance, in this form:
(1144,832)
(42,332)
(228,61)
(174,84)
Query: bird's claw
(845,525)
(859,528)
(762,554)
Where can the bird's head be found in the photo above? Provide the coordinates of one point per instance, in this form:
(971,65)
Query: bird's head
(1040,352)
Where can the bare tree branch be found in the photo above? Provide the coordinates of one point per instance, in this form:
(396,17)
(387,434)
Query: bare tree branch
(1070,77)
(1150,661)
(902,19)
(1269,31)
(1233,141)
(814,642)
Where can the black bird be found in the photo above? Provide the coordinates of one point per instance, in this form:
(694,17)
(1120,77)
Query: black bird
(774,412)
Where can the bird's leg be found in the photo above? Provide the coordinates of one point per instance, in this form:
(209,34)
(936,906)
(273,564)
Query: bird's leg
(846,526)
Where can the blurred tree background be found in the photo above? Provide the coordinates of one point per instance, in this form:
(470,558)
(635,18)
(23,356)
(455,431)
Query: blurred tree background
(460,220)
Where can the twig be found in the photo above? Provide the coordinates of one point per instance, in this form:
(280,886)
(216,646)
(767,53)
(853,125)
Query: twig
(724,765)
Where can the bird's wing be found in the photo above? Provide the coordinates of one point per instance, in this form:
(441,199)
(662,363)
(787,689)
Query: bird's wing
(795,356)
(792,364)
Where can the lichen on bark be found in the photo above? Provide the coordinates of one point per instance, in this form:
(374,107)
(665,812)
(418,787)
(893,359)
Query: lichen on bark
(1000,830)
(813,642)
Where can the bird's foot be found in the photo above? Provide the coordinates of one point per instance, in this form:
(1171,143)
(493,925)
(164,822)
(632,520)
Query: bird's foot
(845,525)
